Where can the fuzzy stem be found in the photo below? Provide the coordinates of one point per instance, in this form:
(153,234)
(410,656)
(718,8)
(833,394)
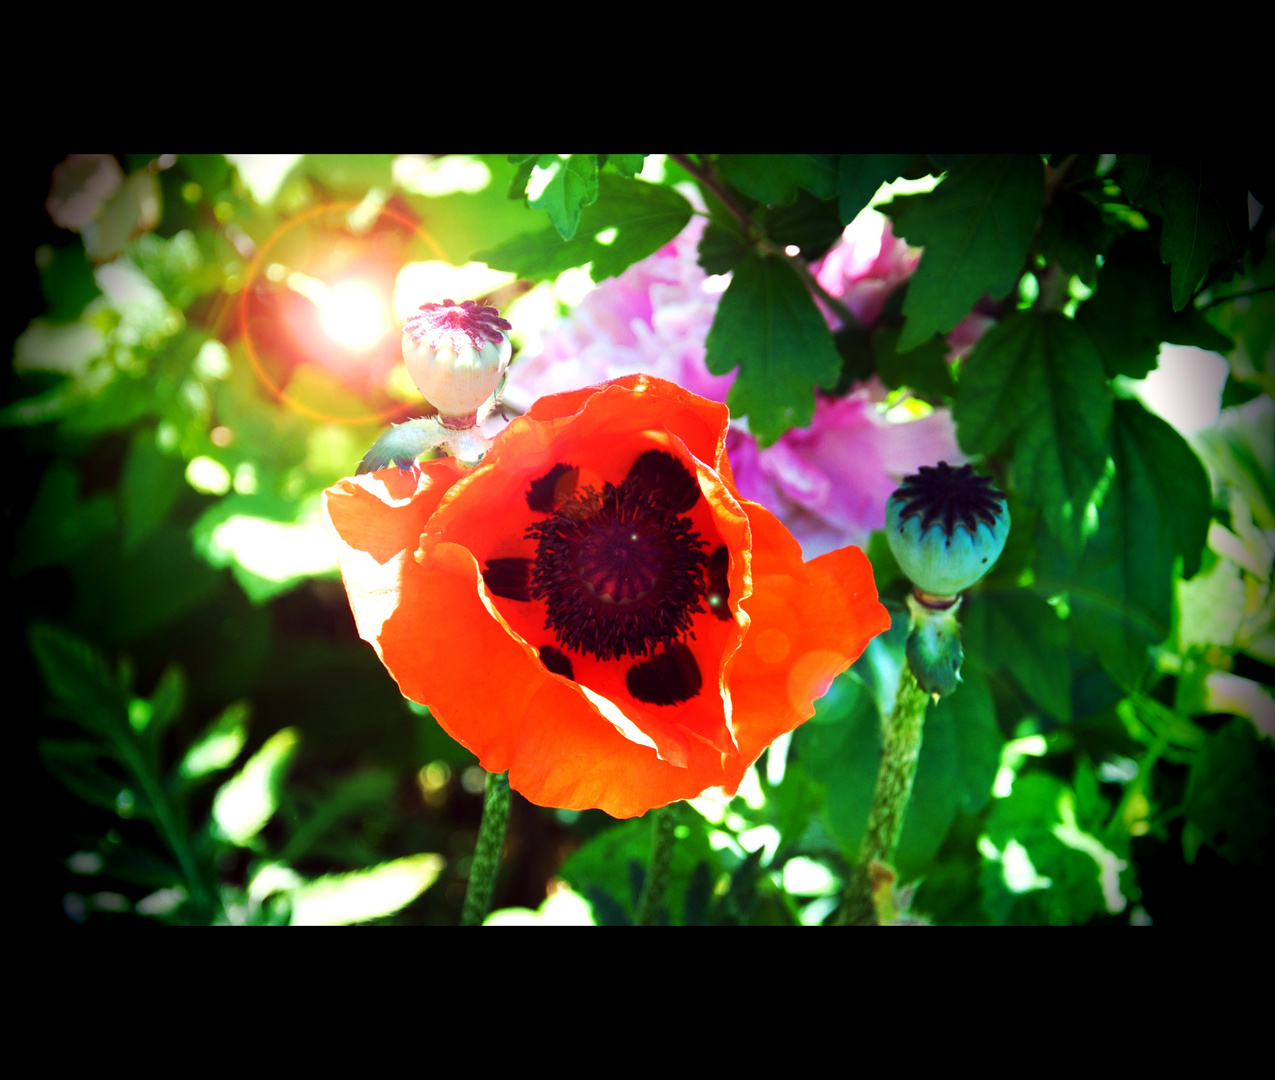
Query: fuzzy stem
(890,800)
(657,870)
(491,839)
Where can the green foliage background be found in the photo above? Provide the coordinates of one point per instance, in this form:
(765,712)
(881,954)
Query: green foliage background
(211,741)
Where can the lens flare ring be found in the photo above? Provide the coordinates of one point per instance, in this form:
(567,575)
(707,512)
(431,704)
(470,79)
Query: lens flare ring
(256,268)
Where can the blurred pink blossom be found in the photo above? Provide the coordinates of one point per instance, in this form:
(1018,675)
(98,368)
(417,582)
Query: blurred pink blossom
(828,483)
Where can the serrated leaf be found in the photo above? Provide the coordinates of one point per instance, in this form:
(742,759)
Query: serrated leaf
(976,227)
(1155,509)
(1036,377)
(768,326)
(775,178)
(1131,313)
(645,217)
(859,176)
(77,676)
(573,185)
(342,899)
(1204,204)
(1018,630)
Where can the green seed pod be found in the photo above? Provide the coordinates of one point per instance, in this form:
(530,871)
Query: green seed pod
(946,527)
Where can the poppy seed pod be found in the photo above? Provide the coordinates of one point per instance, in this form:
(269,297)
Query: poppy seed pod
(946,527)
(456,355)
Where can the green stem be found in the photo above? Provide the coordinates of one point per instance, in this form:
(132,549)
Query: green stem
(171,826)
(657,870)
(890,800)
(491,839)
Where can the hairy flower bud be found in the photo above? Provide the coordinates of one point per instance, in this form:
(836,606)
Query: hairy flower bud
(456,355)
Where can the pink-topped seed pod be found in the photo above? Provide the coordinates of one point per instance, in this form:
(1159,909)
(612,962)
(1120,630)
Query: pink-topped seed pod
(456,355)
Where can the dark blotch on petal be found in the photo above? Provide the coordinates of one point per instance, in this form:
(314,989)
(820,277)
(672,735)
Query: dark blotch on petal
(668,678)
(510,578)
(719,583)
(659,472)
(550,491)
(557,661)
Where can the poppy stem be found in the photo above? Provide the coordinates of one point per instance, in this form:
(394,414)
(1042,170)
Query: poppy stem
(889,802)
(491,839)
(657,870)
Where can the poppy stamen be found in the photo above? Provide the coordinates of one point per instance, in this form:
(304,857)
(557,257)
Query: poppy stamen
(621,573)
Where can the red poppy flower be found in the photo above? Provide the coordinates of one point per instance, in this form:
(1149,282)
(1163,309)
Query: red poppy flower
(595,608)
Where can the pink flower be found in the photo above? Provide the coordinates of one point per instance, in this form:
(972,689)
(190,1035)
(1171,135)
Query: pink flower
(828,483)
(867,264)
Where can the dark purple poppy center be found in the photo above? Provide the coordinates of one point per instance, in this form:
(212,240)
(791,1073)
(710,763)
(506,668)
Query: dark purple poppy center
(621,562)
(620,573)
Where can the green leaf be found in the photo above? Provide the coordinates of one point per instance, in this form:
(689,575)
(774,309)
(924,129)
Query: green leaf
(721,249)
(1174,474)
(526,166)
(350,174)
(812,224)
(601,866)
(626,164)
(219,743)
(60,526)
(1204,203)
(1227,795)
(66,279)
(1036,376)
(1037,875)
(960,756)
(768,325)
(573,185)
(976,227)
(77,676)
(149,485)
(775,178)
(153,717)
(366,790)
(1017,630)
(924,369)
(840,748)
(342,899)
(859,176)
(1155,509)
(245,803)
(75,763)
(646,217)
(1072,233)
(1130,313)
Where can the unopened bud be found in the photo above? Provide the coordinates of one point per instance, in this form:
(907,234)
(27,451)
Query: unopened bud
(456,355)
